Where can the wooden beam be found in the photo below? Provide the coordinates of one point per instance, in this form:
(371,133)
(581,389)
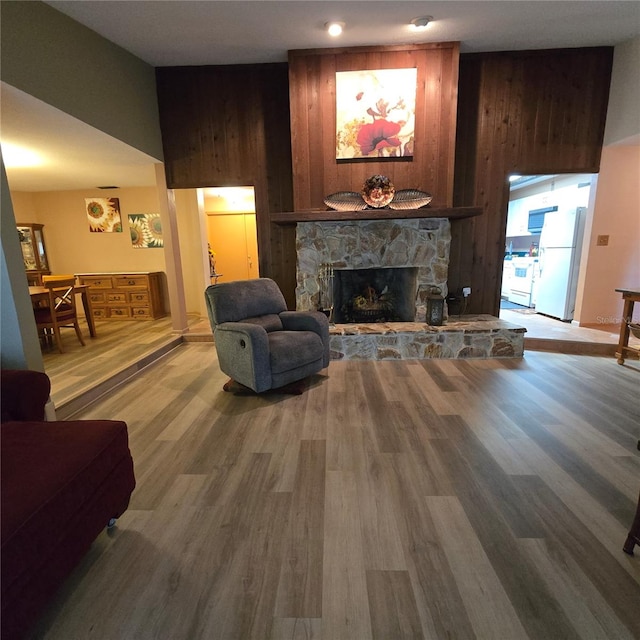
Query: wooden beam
(320,215)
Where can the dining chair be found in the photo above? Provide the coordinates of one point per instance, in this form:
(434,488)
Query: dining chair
(60,310)
(58,277)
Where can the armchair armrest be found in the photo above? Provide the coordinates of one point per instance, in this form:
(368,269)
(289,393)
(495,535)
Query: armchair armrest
(308,321)
(23,394)
(243,353)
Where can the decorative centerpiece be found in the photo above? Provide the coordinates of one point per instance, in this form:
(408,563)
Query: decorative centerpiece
(378,192)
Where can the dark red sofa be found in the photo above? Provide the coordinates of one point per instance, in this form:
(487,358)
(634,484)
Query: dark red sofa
(61,484)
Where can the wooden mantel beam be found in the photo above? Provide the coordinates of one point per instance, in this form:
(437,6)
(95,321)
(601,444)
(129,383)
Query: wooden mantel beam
(321,215)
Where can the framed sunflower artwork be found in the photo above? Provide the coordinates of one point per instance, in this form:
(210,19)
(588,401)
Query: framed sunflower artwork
(146,231)
(103,215)
(375,113)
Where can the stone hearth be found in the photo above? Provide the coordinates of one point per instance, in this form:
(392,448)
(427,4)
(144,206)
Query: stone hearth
(422,244)
(479,336)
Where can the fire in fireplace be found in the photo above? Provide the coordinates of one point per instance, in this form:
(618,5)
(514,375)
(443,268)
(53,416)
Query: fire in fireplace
(375,295)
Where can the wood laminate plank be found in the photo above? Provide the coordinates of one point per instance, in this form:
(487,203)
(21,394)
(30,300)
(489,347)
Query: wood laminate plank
(381,413)
(314,424)
(345,604)
(441,609)
(486,602)
(296,629)
(586,510)
(613,423)
(535,606)
(300,584)
(438,400)
(393,609)
(604,573)
(584,605)
(621,506)
(381,547)
(235,561)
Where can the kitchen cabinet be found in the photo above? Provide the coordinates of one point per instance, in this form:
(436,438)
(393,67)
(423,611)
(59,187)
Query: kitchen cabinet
(34,253)
(125,296)
(517,219)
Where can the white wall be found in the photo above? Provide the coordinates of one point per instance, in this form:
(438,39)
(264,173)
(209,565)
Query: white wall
(71,247)
(623,112)
(192,248)
(616,214)
(617,199)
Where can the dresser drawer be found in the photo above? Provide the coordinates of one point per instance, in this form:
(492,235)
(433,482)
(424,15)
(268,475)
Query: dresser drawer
(129,282)
(97,297)
(139,297)
(119,312)
(141,312)
(100,312)
(97,282)
(117,296)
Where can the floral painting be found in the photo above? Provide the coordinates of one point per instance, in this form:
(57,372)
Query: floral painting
(103,214)
(375,113)
(146,230)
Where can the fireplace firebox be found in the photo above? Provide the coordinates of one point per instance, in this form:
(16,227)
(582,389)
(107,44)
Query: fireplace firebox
(375,295)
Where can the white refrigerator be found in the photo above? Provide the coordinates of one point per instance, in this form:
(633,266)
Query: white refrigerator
(559,262)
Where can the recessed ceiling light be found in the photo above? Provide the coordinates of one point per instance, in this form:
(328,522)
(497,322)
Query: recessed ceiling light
(334,28)
(422,22)
(16,156)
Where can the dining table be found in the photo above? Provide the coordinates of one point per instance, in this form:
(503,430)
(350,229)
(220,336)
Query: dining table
(39,293)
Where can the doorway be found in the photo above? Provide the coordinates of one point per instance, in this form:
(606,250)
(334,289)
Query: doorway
(537,203)
(232,233)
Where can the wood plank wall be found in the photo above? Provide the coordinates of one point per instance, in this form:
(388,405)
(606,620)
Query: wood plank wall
(316,173)
(533,112)
(526,112)
(229,126)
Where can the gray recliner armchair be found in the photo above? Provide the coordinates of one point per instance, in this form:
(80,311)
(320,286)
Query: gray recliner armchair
(259,343)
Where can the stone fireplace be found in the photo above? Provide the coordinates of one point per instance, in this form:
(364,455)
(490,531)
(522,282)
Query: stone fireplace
(358,251)
(419,245)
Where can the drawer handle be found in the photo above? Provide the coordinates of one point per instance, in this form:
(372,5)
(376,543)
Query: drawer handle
(131,283)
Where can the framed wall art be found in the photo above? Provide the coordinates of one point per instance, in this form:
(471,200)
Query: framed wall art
(146,230)
(375,113)
(103,215)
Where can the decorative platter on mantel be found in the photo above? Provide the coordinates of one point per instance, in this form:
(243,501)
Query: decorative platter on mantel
(378,192)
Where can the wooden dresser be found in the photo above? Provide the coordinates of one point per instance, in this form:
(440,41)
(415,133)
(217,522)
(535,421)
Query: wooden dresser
(123,296)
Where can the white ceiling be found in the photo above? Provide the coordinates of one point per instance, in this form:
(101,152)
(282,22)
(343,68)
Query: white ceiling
(168,33)
(71,154)
(175,33)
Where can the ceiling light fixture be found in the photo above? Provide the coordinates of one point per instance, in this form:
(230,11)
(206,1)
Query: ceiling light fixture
(16,156)
(422,22)
(334,28)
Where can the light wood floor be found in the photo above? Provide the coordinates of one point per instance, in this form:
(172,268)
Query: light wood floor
(416,499)
(121,348)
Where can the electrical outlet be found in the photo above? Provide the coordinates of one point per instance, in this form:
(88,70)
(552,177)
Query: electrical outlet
(466,291)
(602,241)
